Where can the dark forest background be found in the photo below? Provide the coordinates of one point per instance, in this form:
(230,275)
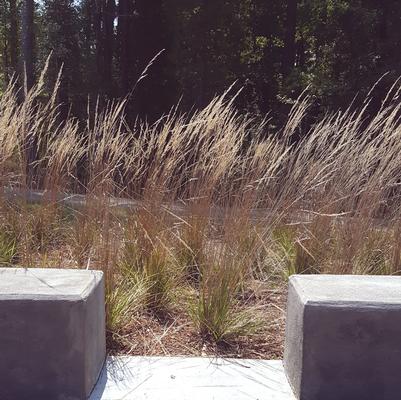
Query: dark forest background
(273,49)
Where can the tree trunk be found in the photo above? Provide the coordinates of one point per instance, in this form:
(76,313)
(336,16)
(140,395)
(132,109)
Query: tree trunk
(28,72)
(109,10)
(28,63)
(97,26)
(122,35)
(151,37)
(5,58)
(13,40)
(104,36)
(289,51)
(126,54)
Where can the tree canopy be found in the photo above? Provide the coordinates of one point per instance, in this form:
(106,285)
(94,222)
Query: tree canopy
(273,49)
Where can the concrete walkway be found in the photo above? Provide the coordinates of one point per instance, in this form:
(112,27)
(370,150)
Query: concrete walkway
(176,378)
(77,201)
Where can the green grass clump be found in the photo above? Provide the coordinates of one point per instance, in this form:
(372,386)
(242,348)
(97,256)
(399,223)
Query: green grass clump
(8,249)
(190,248)
(218,313)
(150,263)
(126,299)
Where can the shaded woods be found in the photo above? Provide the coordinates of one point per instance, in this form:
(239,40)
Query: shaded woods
(272,48)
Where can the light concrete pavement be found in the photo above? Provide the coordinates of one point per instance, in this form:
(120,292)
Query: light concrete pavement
(186,378)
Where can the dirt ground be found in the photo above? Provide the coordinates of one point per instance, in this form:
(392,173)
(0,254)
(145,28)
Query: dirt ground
(175,335)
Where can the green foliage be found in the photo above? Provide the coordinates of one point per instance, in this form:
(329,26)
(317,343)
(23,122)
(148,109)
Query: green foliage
(296,255)
(217,312)
(8,249)
(151,267)
(191,244)
(337,48)
(44,226)
(222,269)
(373,256)
(124,301)
(284,240)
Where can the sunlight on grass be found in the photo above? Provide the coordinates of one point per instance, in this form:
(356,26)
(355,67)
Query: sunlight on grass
(183,214)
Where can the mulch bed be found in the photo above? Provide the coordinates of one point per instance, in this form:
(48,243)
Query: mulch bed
(175,334)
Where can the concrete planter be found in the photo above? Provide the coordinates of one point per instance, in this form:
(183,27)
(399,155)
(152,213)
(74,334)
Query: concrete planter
(52,333)
(343,337)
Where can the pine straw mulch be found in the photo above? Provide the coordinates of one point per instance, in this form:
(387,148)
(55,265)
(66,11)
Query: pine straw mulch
(176,335)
